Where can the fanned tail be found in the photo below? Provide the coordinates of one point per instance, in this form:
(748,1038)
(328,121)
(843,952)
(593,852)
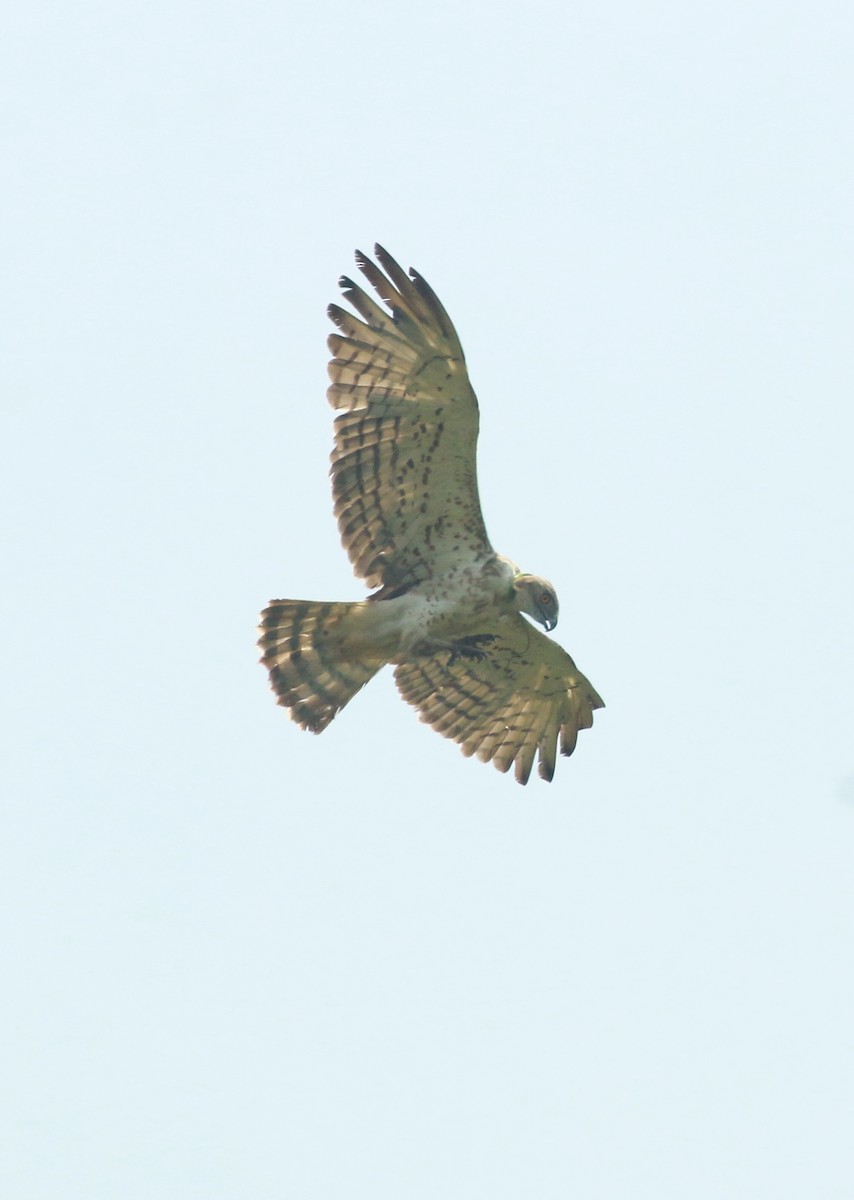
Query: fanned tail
(303,649)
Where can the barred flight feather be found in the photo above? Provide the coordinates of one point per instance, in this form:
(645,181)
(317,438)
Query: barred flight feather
(302,642)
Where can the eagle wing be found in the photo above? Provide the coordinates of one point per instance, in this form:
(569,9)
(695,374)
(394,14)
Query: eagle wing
(403,467)
(509,705)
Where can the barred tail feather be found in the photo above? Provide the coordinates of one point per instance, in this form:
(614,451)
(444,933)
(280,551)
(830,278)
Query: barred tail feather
(302,643)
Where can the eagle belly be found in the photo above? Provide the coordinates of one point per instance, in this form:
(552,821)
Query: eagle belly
(439,612)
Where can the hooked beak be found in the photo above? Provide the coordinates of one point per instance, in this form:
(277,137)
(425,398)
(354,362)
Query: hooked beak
(549,623)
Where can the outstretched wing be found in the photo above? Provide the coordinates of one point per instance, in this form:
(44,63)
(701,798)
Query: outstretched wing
(509,705)
(403,467)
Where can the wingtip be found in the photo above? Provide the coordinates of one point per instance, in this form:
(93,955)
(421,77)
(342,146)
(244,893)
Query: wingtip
(388,262)
(383,258)
(523,772)
(569,739)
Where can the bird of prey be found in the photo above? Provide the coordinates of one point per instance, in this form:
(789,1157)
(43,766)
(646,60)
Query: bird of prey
(448,611)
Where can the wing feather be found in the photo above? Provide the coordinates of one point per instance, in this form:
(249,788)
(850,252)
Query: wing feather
(511,707)
(375,316)
(404,463)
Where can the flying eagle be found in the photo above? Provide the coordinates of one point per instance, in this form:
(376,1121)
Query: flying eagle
(448,609)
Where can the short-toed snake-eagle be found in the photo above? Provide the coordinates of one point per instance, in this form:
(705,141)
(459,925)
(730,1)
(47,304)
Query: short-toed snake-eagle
(447,611)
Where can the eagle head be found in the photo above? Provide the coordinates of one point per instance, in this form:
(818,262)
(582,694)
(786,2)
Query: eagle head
(536,597)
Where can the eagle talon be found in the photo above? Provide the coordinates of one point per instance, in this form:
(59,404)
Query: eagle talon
(468,647)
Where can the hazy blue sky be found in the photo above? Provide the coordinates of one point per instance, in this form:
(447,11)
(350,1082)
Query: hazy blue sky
(244,962)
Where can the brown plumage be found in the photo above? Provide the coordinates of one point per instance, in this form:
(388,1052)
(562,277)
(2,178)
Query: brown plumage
(448,609)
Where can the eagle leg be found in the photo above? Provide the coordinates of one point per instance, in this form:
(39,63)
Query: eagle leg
(469,647)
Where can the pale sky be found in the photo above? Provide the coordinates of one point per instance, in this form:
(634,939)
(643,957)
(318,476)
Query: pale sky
(241,961)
